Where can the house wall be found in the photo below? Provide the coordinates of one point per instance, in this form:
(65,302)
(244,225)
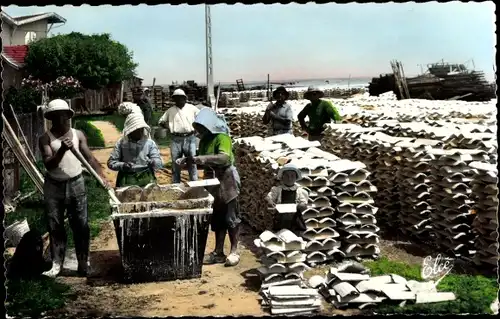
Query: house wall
(6,34)
(39,27)
(11,76)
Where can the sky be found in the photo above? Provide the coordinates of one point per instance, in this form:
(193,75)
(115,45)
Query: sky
(289,42)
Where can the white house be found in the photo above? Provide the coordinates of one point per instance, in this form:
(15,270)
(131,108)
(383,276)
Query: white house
(25,29)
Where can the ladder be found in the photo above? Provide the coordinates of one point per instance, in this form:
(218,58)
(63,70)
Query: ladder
(240,85)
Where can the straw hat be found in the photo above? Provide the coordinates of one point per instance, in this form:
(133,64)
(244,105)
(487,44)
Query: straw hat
(179,92)
(313,89)
(55,106)
(135,121)
(281,89)
(289,167)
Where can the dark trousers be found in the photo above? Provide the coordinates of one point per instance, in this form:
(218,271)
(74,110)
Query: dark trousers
(70,197)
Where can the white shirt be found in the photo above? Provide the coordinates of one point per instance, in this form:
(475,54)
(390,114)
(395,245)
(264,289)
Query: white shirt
(69,166)
(180,121)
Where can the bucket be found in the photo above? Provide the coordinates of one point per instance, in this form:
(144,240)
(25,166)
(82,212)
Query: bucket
(160,133)
(162,231)
(16,231)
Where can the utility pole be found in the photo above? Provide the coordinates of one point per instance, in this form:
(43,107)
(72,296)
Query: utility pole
(208,38)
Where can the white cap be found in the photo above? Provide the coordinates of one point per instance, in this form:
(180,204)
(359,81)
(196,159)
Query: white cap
(135,121)
(179,92)
(57,105)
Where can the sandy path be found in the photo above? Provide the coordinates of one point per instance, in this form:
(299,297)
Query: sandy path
(109,131)
(219,291)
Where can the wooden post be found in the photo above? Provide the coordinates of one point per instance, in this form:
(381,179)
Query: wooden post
(268,89)
(121,92)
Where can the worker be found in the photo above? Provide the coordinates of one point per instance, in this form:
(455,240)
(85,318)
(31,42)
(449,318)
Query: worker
(136,157)
(64,186)
(289,192)
(216,157)
(280,113)
(144,103)
(179,122)
(319,112)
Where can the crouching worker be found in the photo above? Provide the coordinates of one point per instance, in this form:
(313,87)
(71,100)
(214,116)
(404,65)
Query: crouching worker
(216,157)
(289,193)
(136,157)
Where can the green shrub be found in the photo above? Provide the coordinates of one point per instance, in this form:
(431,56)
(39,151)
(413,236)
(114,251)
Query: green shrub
(93,134)
(34,297)
(474,294)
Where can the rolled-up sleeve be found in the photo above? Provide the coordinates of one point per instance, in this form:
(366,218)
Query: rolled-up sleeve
(272,196)
(289,113)
(114,161)
(163,119)
(154,155)
(302,196)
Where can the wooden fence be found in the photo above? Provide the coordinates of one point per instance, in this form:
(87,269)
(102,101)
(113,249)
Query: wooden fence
(32,128)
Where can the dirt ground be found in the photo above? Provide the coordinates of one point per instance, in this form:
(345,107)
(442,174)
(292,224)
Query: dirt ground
(220,291)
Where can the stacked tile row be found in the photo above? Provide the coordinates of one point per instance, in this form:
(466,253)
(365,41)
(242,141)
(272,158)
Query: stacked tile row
(282,288)
(452,213)
(485,223)
(350,285)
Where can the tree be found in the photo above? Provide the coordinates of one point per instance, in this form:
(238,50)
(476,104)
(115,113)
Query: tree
(96,61)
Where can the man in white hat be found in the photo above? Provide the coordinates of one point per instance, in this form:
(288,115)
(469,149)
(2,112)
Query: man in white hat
(179,121)
(64,187)
(319,112)
(141,99)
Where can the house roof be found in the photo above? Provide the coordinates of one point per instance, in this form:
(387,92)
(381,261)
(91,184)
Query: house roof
(15,55)
(52,17)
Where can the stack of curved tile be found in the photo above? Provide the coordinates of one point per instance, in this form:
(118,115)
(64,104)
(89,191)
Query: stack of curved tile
(321,235)
(485,223)
(452,213)
(414,187)
(346,286)
(356,222)
(283,290)
(258,161)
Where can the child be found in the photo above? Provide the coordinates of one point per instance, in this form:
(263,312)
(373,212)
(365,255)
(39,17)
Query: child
(288,193)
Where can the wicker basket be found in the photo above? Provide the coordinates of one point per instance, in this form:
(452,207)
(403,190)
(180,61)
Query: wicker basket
(16,231)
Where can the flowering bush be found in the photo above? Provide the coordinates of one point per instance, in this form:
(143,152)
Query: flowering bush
(61,88)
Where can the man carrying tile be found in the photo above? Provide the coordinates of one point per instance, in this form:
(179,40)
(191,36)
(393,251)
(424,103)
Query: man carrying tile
(179,121)
(319,112)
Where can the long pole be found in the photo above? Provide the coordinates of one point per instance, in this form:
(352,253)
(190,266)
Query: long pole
(268,88)
(209,71)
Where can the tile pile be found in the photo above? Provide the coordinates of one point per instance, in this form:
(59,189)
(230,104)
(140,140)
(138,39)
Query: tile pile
(258,161)
(321,236)
(349,285)
(485,224)
(282,290)
(413,179)
(452,213)
(333,184)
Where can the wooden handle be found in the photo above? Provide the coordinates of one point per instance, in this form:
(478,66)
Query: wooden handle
(94,173)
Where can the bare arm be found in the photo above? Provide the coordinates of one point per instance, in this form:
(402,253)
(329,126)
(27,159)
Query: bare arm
(84,149)
(267,115)
(302,116)
(50,159)
(163,121)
